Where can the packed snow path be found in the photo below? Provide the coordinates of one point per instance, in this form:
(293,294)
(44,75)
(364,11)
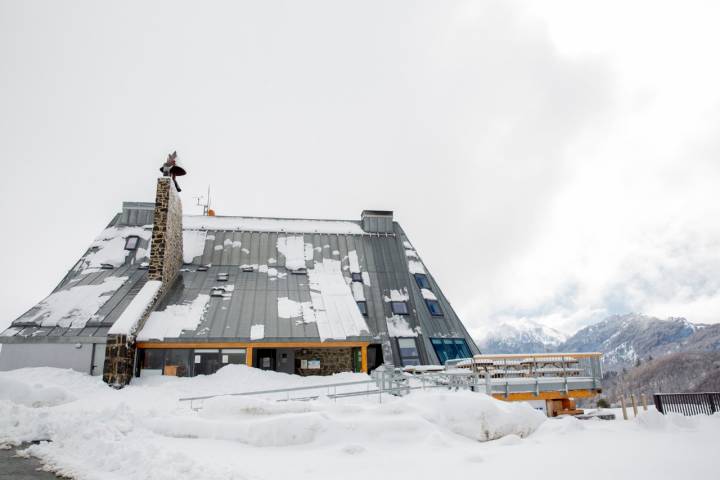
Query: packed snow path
(143,432)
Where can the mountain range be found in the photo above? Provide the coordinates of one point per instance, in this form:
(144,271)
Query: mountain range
(625,340)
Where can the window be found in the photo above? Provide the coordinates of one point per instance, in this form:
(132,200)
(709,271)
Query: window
(362,305)
(356,277)
(132,242)
(450,348)
(434,307)
(422,281)
(408,352)
(399,308)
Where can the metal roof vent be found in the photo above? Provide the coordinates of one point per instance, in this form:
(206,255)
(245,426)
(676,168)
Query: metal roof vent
(144,266)
(299,271)
(106,266)
(217,292)
(203,268)
(377,221)
(248,268)
(223,277)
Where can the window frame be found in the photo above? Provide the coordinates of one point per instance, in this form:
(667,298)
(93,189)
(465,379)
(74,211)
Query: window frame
(356,277)
(405,307)
(407,360)
(363,309)
(439,313)
(135,246)
(445,346)
(422,281)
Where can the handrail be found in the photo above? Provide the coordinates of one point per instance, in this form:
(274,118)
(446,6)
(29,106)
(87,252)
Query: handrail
(279,390)
(500,356)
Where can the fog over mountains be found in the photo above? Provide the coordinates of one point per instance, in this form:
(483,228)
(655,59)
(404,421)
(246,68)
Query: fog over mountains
(624,339)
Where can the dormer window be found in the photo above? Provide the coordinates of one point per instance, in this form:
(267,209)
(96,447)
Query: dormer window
(434,307)
(399,308)
(132,242)
(422,281)
(356,277)
(362,306)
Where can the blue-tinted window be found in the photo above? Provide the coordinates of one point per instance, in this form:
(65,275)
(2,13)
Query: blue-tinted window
(356,277)
(434,307)
(399,308)
(362,305)
(408,351)
(422,280)
(450,348)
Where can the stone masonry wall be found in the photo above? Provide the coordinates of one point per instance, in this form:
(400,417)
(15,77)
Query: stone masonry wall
(166,257)
(332,360)
(166,252)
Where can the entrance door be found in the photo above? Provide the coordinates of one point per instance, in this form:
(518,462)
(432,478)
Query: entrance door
(286,360)
(265,358)
(207,361)
(98,359)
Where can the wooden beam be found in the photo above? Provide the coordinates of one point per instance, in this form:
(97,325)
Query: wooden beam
(173,345)
(521,397)
(364,363)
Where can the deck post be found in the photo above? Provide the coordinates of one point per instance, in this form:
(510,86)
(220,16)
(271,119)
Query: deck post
(643,400)
(634,404)
(624,407)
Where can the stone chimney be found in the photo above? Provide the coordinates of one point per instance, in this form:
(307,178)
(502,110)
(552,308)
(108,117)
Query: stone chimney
(166,251)
(166,258)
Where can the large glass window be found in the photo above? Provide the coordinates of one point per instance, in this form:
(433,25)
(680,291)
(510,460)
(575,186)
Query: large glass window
(408,351)
(422,280)
(153,359)
(177,363)
(399,308)
(434,307)
(450,348)
(233,356)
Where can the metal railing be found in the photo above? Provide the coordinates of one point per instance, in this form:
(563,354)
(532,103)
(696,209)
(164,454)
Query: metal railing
(688,403)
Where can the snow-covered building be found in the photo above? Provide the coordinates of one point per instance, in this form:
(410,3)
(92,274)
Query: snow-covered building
(159,292)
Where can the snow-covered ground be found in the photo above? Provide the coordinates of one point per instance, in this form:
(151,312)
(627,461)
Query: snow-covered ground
(143,432)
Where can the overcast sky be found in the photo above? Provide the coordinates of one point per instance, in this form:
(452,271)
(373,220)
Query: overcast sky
(557,161)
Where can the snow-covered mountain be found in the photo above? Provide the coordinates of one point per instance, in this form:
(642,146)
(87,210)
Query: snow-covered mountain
(626,338)
(521,336)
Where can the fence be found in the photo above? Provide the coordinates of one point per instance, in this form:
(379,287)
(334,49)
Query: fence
(688,403)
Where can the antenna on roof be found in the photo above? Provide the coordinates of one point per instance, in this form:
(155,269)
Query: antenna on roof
(204,202)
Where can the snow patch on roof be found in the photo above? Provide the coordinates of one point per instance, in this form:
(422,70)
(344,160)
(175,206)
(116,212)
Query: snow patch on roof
(354,262)
(293,248)
(170,323)
(127,323)
(335,309)
(75,306)
(109,246)
(257,332)
(399,327)
(415,267)
(193,244)
(398,296)
(427,294)
(202,222)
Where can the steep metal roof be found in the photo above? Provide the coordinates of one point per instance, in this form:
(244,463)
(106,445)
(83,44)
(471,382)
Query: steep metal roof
(386,262)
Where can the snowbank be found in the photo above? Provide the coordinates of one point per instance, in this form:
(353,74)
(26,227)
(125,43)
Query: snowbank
(143,432)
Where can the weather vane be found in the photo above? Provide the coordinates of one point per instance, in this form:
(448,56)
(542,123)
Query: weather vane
(171,168)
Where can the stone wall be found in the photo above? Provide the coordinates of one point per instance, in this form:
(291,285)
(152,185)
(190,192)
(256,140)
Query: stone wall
(166,257)
(332,360)
(119,361)
(166,251)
